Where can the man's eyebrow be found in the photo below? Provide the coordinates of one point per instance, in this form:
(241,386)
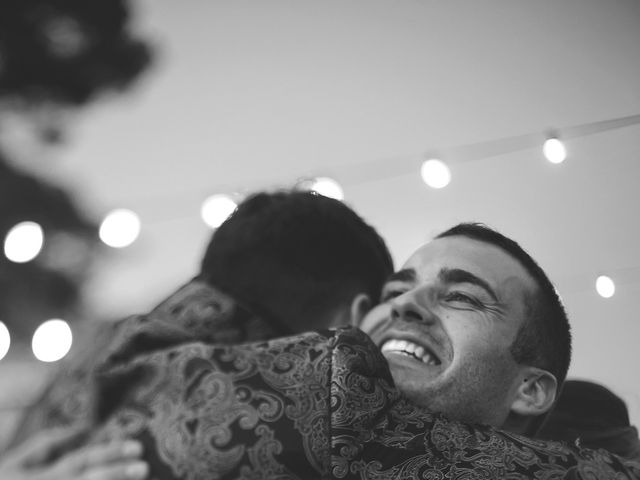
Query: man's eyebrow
(457,275)
(404,275)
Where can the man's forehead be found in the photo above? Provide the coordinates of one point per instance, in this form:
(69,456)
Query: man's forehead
(457,252)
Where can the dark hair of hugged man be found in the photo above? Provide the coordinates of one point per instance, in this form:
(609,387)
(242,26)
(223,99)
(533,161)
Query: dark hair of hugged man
(544,339)
(297,261)
(294,251)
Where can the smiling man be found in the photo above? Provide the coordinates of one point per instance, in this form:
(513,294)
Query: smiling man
(470,333)
(472,327)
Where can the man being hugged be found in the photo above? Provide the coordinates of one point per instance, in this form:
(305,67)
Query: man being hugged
(470,346)
(472,327)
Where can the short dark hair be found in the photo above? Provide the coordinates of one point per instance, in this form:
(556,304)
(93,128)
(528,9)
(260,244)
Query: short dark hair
(294,257)
(544,339)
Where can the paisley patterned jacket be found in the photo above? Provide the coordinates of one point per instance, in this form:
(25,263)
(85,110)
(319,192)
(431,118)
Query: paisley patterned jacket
(317,405)
(195,312)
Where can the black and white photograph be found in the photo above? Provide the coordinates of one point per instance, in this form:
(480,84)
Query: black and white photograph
(341,239)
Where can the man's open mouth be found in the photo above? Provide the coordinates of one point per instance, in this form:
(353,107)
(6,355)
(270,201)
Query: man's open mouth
(407,347)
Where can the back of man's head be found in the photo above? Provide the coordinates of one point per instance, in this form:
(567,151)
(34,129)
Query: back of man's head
(594,416)
(296,258)
(544,339)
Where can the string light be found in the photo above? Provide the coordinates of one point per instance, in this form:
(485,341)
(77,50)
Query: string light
(554,150)
(379,169)
(605,286)
(435,173)
(120,228)
(52,340)
(23,242)
(327,187)
(216,209)
(5,340)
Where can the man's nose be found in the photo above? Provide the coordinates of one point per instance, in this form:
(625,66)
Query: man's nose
(407,307)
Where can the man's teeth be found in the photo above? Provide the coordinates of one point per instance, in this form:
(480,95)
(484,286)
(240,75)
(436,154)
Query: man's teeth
(411,349)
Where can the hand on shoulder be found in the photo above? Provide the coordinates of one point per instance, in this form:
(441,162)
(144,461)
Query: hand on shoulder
(38,459)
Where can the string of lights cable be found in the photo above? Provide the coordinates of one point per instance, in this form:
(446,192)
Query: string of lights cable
(121,227)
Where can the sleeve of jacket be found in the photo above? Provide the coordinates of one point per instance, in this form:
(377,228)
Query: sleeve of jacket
(257,410)
(195,312)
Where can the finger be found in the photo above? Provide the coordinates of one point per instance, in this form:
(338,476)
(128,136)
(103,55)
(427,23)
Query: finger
(98,455)
(42,446)
(118,471)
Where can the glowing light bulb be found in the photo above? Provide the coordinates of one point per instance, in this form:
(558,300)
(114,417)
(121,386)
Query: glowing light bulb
(120,228)
(554,150)
(435,173)
(605,286)
(216,209)
(5,340)
(327,187)
(52,340)
(23,242)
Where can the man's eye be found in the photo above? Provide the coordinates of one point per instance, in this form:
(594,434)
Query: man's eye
(461,297)
(389,294)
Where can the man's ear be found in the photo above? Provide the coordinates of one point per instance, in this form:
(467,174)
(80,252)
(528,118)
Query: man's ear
(535,392)
(360,306)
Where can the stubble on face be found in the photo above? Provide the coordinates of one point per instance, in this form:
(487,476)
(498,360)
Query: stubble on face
(471,395)
(475,384)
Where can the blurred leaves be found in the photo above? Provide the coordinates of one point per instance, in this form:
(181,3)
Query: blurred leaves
(67,51)
(54,53)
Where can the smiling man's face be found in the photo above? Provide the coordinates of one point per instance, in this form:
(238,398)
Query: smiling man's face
(446,324)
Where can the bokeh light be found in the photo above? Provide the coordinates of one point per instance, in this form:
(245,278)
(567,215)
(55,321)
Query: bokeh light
(120,228)
(52,340)
(605,286)
(554,150)
(23,242)
(216,209)
(327,187)
(5,340)
(435,173)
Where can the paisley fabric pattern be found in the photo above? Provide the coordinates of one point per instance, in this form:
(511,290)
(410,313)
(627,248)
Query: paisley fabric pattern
(218,406)
(317,405)
(195,312)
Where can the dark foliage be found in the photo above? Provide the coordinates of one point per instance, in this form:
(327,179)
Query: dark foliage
(67,51)
(55,53)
